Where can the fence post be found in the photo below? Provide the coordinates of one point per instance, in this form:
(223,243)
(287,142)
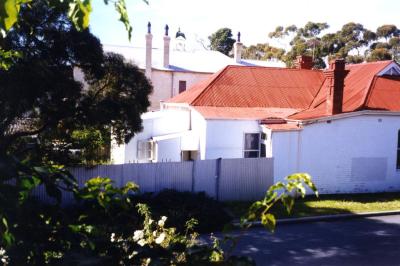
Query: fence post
(217,177)
(193,174)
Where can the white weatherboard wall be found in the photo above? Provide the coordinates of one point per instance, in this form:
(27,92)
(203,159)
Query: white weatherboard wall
(225,138)
(354,154)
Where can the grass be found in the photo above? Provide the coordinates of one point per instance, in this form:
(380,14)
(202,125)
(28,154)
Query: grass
(329,204)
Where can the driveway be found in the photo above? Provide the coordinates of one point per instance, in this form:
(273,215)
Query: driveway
(358,241)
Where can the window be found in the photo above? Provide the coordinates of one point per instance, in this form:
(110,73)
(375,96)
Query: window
(251,145)
(398,151)
(263,150)
(145,150)
(182,86)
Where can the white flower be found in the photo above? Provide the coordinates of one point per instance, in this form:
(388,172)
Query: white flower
(138,234)
(133,254)
(151,221)
(112,237)
(161,222)
(160,238)
(3,257)
(141,242)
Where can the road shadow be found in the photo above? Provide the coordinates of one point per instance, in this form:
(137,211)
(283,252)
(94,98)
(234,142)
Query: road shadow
(358,241)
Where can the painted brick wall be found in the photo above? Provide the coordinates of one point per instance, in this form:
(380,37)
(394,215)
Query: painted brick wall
(356,154)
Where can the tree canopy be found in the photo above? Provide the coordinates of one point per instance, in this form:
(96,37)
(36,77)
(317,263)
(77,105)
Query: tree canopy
(222,41)
(353,42)
(43,105)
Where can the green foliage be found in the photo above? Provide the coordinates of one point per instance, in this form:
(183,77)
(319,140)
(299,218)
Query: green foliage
(92,145)
(353,42)
(107,229)
(222,41)
(45,113)
(263,51)
(180,207)
(79,12)
(284,192)
(388,31)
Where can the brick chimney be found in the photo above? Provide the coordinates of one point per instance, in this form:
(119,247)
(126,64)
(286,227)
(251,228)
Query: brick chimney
(149,48)
(335,81)
(167,41)
(237,49)
(303,62)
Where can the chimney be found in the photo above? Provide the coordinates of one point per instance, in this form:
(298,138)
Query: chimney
(167,40)
(237,50)
(149,38)
(303,62)
(335,79)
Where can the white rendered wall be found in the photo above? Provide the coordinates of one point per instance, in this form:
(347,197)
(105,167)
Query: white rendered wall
(285,153)
(199,125)
(166,84)
(117,153)
(158,124)
(225,138)
(169,150)
(355,154)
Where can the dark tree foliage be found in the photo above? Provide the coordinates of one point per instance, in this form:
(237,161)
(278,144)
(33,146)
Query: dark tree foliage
(43,107)
(222,41)
(353,42)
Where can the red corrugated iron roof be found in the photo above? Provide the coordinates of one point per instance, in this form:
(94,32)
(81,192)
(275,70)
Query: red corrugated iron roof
(244,88)
(243,113)
(384,94)
(357,85)
(241,86)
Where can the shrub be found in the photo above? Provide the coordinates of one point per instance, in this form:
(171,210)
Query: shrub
(180,207)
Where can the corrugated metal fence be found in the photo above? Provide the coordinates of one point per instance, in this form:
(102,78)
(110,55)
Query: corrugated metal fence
(223,179)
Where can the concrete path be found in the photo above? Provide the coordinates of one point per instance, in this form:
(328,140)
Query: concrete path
(358,241)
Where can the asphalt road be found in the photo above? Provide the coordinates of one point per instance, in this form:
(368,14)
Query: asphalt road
(358,241)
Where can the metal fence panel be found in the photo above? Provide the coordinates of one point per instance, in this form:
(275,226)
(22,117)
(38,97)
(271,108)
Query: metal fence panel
(223,179)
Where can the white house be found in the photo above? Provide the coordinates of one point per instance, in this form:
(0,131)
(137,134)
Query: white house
(341,125)
(176,67)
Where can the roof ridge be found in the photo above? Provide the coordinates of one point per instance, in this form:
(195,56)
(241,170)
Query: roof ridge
(374,62)
(209,84)
(373,80)
(278,68)
(369,92)
(315,96)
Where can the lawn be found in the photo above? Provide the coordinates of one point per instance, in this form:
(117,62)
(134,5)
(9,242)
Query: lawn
(329,204)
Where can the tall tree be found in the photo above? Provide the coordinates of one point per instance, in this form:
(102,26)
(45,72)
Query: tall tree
(222,41)
(353,42)
(43,107)
(387,31)
(305,40)
(263,51)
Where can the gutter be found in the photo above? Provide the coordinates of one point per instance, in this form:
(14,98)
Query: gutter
(344,115)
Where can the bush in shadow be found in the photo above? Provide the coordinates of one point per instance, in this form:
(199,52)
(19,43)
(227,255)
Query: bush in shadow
(180,207)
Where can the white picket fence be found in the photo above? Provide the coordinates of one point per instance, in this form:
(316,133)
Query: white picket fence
(222,179)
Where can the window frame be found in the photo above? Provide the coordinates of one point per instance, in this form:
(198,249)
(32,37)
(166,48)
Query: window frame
(251,150)
(398,151)
(148,150)
(179,86)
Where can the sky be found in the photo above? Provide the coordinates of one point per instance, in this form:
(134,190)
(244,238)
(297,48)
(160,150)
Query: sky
(253,18)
